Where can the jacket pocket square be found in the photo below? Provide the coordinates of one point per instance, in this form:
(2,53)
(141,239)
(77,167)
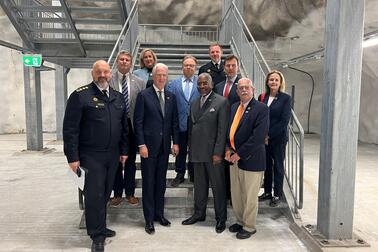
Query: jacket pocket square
(212,110)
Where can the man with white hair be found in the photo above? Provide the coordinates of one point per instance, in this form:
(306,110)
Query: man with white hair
(156,125)
(245,149)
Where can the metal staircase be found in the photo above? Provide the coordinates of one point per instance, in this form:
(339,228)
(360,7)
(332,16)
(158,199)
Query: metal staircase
(68,32)
(74,34)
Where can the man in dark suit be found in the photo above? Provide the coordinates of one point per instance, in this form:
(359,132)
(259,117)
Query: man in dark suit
(155,125)
(129,85)
(207,138)
(215,66)
(227,89)
(95,138)
(245,148)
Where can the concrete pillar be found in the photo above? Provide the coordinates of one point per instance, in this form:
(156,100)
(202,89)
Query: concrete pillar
(33,108)
(60,98)
(340,116)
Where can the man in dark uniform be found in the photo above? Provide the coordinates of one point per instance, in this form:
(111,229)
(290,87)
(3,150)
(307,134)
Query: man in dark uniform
(215,66)
(95,137)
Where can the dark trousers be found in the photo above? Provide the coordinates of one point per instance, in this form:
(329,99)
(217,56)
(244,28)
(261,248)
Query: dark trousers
(227,176)
(203,172)
(99,181)
(154,172)
(275,156)
(180,162)
(126,180)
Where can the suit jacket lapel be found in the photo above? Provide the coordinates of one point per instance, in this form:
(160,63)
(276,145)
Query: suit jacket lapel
(155,99)
(248,110)
(206,104)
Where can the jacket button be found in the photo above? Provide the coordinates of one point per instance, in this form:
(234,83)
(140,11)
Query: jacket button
(161,133)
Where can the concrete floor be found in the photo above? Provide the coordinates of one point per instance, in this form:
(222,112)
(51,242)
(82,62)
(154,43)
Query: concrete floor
(39,209)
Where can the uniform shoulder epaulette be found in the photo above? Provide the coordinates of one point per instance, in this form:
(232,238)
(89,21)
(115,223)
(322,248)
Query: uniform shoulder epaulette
(82,88)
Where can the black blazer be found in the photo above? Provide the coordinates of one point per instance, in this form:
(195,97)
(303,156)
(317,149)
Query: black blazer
(232,95)
(217,74)
(151,128)
(279,116)
(250,135)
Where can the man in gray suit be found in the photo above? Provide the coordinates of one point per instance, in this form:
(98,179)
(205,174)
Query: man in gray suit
(207,139)
(129,85)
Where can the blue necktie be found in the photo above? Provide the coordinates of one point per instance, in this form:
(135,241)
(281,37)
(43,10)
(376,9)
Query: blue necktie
(125,92)
(187,89)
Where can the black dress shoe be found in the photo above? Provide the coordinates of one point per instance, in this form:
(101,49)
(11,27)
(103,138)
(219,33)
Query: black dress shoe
(177,181)
(97,246)
(275,201)
(265,196)
(193,219)
(163,221)
(220,226)
(109,233)
(234,228)
(244,234)
(149,228)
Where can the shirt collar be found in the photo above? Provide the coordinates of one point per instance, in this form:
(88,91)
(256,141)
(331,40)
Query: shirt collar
(184,79)
(120,75)
(101,89)
(245,104)
(157,90)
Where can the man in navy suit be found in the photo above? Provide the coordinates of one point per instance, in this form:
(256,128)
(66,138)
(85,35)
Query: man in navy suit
(155,125)
(227,89)
(245,148)
(184,88)
(215,66)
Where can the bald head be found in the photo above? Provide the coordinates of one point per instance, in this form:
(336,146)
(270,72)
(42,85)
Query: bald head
(101,73)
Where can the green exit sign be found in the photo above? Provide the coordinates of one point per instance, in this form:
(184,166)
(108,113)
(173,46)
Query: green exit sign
(34,60)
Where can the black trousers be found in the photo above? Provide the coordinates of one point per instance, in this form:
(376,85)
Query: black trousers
(203,172)
(98,186)
(154,173)
(275,156)
(180,162)
(126,180)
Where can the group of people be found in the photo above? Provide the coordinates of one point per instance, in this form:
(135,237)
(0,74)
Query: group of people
(231,139)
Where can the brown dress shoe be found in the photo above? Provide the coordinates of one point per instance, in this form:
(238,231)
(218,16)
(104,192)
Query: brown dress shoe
(115,201)
(132,200)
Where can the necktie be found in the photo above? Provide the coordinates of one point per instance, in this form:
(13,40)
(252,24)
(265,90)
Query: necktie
(235,123)
(202,101)
(105,92)
(161,101)
(227,88)
(125,92)
(187,89)
(216,65)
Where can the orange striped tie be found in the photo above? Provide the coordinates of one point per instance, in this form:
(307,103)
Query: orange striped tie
(235,123)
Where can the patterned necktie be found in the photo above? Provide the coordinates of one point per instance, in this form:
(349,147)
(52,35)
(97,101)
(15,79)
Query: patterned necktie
(227,88)
(235,124)
(161,101)
(125,92)
(187,89)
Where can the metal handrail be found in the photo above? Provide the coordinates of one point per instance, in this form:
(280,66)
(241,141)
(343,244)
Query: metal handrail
(257,71)
(125,29)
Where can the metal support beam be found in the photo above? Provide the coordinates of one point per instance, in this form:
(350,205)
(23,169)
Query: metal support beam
(340,117)
(60,98)
(33,108)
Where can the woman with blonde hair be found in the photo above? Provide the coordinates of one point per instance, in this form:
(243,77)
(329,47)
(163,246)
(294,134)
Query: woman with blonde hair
(147,61)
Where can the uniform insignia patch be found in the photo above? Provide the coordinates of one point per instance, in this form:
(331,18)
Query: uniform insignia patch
(95,99)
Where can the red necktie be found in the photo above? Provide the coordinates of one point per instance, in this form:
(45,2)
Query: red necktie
(227,89)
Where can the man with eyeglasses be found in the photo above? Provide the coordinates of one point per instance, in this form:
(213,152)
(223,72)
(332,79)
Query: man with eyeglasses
(245,149)
(185,90)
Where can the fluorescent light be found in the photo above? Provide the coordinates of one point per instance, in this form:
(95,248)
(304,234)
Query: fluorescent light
(370,42)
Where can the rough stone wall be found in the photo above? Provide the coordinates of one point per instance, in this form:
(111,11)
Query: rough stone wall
(277,26)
